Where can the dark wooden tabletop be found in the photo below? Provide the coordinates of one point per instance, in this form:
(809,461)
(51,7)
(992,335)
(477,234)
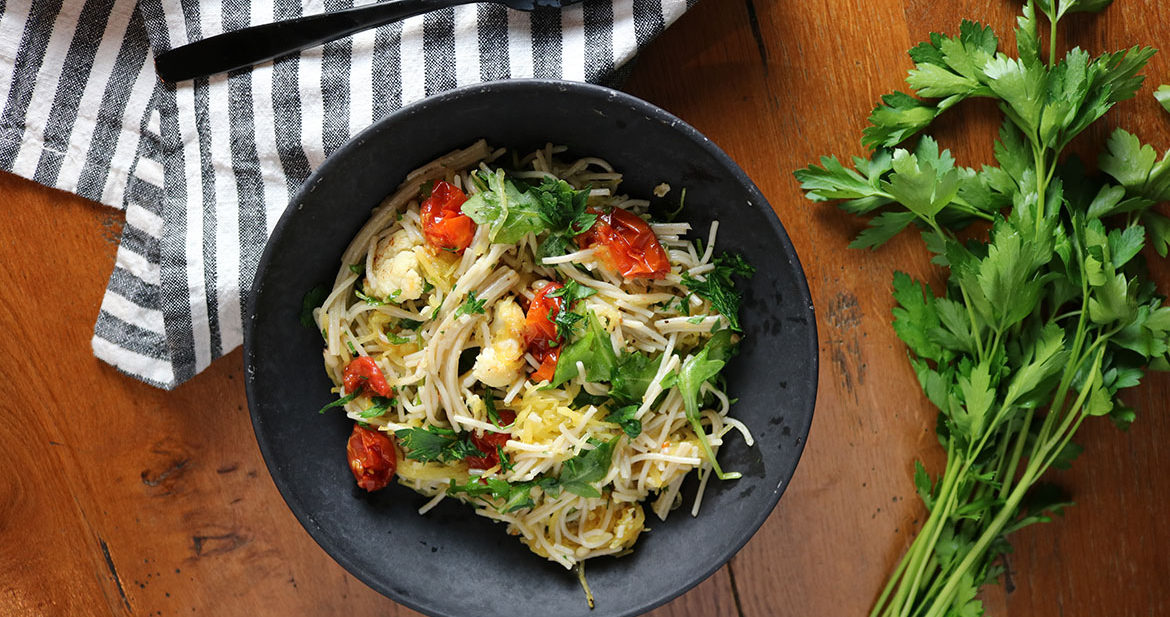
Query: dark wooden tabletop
(120,499)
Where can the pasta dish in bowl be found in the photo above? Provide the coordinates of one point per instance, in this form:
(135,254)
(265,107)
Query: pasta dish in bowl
(542,348)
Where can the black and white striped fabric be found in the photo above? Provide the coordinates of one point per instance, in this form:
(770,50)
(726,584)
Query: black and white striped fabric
(204,170)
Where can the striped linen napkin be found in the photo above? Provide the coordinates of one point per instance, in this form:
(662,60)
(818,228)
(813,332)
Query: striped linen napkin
(204,170)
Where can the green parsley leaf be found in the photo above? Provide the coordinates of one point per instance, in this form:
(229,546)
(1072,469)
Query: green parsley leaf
(372,301)
(572,291)
(717,287)
(470,306)
(896,119)
(562,316)
(489,404)
(565,321)
(915,318)
(433,443)
(311,300)
(398,340)
(409,324)
(562,208)
(380,407)
(505,462)
(1162,94)
(512,497)
(341,401)
(923,486)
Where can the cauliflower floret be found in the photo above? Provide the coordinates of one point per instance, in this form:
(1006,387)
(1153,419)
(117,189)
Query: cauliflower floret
(396,273)
(502,359)
(509,320)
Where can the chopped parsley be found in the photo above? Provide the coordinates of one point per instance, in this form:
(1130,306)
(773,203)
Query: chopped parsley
(372,301)
(398,340)
(489,404)
(433,443)
(566,321)
(341,401)
(563,317)
(381,406)
(312,299)
(471,306)
(718,288)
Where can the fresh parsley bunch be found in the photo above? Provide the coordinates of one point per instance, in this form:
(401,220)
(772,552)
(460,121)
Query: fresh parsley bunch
(1044,320)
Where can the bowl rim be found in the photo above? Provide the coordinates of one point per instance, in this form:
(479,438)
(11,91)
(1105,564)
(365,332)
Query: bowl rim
(525,85)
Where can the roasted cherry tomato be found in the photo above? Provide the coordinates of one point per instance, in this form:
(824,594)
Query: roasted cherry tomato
(372,458)
(540,333)
(363,372)
(444,224)
(488,442)
(627,244)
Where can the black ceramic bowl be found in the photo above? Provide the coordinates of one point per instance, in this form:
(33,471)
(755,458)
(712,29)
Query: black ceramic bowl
(450,562)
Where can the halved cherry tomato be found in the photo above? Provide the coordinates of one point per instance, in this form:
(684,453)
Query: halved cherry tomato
(540,333)
(444,224)
(372,458)
(488,442)
(363,372)
(627,244)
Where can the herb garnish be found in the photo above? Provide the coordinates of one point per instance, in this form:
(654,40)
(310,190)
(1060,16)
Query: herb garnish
(509,213)
(562,315)
(577,476)
(624,417)
(341,401)
(717,287)
(562,208)
(579,473)
(697,370)
(311,300)
(381,405)
(434,443)
(593,350)
(471,306)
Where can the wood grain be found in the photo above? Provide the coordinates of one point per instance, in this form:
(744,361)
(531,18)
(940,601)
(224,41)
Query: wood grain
(119,499)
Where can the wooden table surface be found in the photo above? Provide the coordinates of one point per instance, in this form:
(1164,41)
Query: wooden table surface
(119,499)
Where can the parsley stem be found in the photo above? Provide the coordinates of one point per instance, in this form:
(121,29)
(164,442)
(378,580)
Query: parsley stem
(931,530)
(943,600)
(974,323)
(895,577)
(1017,452)
(1052,41)
(1041,184)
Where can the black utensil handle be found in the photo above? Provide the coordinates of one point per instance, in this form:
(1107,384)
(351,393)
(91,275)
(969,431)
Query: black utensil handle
(256,44)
